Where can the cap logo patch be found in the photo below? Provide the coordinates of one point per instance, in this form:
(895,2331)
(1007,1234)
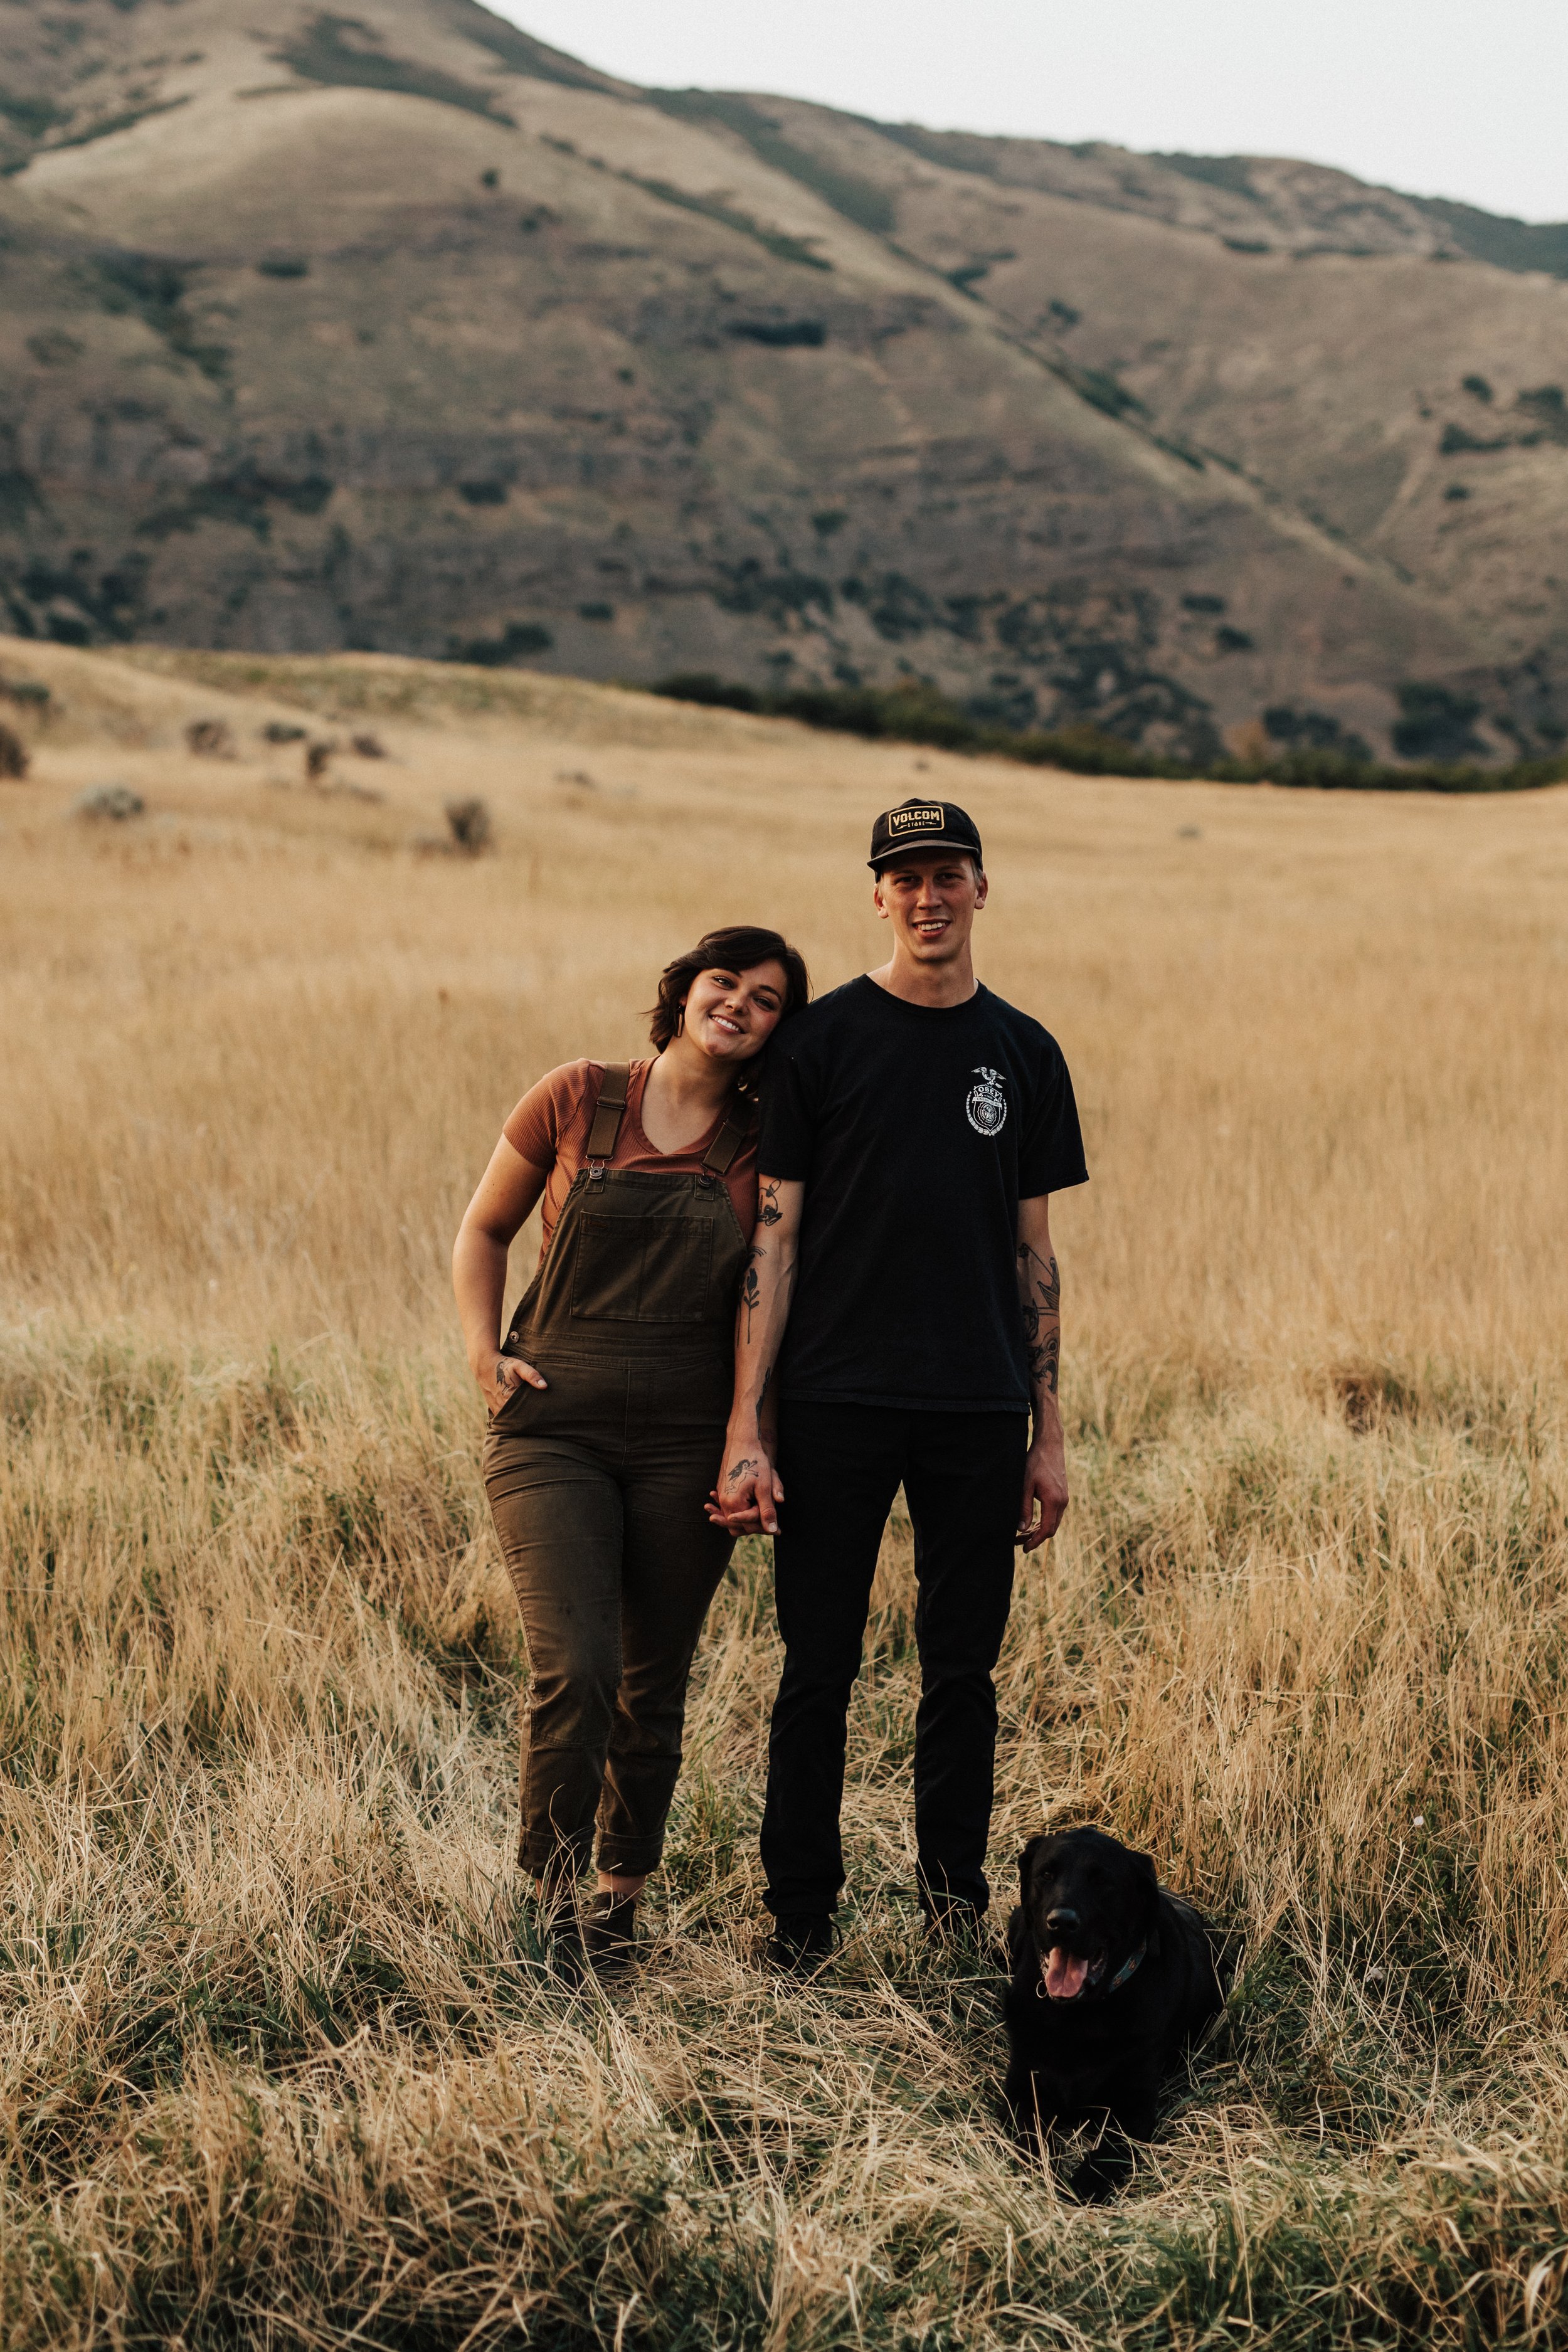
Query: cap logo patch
(916,820)
(987,1104)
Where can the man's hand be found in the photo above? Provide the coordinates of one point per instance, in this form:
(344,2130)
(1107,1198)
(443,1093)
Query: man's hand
(501,1377)
(1045,1490)
(750,1490)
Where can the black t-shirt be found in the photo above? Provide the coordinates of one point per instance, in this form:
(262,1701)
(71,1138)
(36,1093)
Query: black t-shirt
(916,1131)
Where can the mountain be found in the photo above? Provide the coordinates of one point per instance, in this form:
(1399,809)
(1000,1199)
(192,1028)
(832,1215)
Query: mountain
(397,329)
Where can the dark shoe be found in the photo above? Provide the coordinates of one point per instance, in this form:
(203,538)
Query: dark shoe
(1105,2173)
(609,1931)
(800,1942)
(565,1956)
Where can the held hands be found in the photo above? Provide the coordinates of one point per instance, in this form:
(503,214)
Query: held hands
(746,1499)
(501,1377)
(1045,1491)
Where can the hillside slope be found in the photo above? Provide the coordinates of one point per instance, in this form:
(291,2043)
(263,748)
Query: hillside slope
(1288,320)
(399,330)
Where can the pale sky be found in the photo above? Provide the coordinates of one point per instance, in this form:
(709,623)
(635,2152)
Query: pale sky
(1438,96)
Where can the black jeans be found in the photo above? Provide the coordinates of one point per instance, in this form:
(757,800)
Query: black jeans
(963,1475)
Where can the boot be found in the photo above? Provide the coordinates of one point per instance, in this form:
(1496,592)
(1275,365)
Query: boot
(799,1943)
(609,1931)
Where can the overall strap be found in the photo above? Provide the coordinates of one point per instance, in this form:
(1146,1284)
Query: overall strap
(720,1152)
(610,1112)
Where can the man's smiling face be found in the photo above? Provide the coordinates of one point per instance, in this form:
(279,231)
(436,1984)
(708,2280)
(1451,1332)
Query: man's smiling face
(931,897)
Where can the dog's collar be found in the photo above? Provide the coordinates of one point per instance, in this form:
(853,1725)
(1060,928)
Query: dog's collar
(1128,1968)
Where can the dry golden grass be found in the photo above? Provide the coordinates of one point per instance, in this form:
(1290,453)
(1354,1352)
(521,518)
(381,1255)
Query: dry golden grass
(277,2066)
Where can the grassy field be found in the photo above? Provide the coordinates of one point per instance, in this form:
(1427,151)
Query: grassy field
(277,2066)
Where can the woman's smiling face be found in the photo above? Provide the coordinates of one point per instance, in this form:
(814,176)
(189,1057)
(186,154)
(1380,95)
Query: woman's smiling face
(730,1016)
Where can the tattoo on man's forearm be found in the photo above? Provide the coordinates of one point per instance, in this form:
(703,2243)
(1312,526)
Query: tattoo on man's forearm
(1041,1274)
(750,1294)
(768,1210)
(1044,1360)
(1040,1297)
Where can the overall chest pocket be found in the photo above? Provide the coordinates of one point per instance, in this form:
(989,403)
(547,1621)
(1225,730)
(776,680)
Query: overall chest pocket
(644,1269)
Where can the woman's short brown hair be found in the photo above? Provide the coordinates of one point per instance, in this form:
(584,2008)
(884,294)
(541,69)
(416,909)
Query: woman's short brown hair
(738,947)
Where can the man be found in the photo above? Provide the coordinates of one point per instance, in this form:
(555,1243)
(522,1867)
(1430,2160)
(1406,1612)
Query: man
(902,1310)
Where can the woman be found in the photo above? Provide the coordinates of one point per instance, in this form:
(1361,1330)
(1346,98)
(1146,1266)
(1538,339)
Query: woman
(608,1398)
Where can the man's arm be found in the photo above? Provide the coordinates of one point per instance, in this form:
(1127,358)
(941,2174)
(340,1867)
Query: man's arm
(749,1491)
(1040,1295)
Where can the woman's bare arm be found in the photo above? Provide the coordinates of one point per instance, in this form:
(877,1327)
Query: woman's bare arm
(508,1194)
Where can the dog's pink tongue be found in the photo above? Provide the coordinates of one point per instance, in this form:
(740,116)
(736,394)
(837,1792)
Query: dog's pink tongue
(1065,1974)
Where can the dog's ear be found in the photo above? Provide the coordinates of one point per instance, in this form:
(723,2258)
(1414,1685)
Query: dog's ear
(1150,1877)
(1026,1863)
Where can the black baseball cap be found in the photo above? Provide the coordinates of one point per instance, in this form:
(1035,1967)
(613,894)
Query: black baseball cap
(923,824)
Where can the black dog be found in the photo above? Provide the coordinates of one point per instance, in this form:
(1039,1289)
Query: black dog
(1110,1977)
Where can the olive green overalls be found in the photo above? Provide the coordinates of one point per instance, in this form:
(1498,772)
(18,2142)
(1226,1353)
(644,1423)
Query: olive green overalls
(598,1482)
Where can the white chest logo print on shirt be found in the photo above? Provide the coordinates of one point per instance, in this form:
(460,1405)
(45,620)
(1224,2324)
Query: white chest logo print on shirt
(987,1104)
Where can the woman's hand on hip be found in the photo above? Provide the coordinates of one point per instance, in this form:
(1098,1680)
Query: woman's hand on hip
(500,1379)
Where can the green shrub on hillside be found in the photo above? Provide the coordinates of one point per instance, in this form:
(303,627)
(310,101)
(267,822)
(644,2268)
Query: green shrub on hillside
(340,53)
(515,643)
(775,241)
(1434,723)
(919,714)
(859,200)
